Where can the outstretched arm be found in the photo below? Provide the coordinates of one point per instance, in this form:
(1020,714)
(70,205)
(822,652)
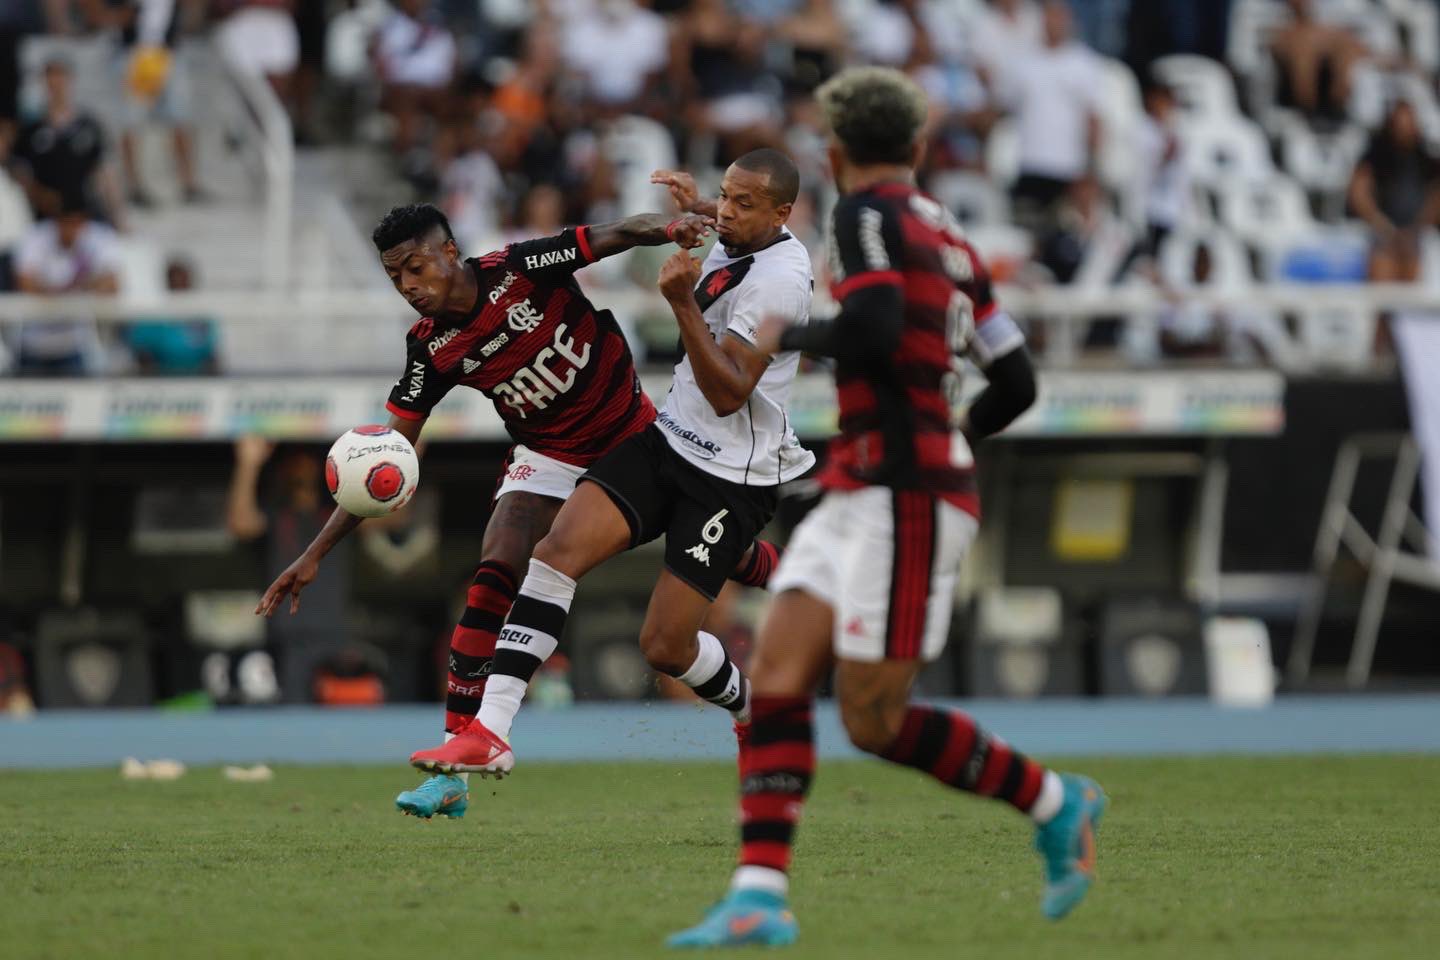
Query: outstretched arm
(301,573)
(647,230)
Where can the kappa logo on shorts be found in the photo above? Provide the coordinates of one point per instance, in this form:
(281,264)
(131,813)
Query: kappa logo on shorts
(711,534)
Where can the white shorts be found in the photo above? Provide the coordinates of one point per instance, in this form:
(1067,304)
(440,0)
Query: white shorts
(261,41)
(886,562)
(531,472)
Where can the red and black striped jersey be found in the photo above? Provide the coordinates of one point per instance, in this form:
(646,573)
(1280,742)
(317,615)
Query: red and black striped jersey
(896,413)
(559,370)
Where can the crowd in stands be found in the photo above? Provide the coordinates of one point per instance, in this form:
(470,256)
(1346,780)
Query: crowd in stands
(1092,143)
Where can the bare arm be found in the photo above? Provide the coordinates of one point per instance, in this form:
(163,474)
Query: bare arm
(243,515)
(726,371)
(647,230)
(301,573)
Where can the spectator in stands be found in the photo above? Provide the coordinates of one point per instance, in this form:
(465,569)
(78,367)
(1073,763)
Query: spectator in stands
(816,35)
(1057,88)
(619,49)
(174,346)
(260,38)
(472,188)
(1003,34)
(730,93)
(1395,188)
(415,59)
(156,83)
(62,154)
(70,254)
(15,215)
(1166,182)
(287,516)
(1315,62)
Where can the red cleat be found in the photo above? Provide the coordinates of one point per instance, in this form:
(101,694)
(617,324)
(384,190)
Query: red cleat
(474,749)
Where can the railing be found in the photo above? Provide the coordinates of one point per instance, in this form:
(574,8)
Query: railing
(358,328)
(269,129)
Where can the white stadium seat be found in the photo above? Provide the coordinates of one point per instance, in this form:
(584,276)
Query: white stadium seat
(1202,86)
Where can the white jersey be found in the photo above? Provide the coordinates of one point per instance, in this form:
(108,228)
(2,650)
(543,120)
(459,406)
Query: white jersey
(755,445)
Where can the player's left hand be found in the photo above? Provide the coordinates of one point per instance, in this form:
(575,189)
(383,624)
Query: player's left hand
(678,276)
(767,336)
(690,230)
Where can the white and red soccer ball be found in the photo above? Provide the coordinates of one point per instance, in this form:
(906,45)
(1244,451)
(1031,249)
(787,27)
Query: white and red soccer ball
(372,470)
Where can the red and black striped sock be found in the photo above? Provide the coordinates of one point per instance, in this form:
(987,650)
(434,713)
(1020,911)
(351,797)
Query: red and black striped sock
(472,645)
(777,765)
(952,748)
(755,571)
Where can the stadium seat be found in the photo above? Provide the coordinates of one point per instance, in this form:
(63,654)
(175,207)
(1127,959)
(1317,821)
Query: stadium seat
(1202,86)
(1004,246)
(636,146)
(1229,265)
(1269,215)
(1221,151)
(1322,163)
(1250,24)
(1120,119)
(972,197)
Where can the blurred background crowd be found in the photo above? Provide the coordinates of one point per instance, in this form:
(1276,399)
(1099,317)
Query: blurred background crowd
(1171,144)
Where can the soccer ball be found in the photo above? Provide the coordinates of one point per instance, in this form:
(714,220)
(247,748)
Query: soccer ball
(372,471)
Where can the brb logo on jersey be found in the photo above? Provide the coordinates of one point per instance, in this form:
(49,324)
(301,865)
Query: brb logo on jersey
(523,317)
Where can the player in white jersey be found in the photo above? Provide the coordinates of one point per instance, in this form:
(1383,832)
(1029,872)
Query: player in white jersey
(704,475)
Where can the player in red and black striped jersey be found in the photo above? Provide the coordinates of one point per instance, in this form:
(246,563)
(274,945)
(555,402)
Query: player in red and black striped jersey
(515,325)
(867,582)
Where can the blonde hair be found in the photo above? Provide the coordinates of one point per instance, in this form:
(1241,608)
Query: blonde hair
(876,113)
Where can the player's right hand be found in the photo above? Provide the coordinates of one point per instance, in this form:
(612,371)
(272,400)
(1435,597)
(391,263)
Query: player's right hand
(682,187)
(296,577)
(689,231)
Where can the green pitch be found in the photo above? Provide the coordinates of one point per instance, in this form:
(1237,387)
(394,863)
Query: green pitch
(1244,858)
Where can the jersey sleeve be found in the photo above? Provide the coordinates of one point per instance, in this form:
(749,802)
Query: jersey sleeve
(775,293)
(565,252)
(421,385)
(996,334)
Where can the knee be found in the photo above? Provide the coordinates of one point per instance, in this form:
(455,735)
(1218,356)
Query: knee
(872,727)
(666,652)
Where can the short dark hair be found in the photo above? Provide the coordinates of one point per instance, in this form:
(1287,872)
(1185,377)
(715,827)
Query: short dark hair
(876,113)
(784,183)
(410,221)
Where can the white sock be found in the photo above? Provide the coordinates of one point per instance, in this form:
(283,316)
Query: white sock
(1052,797)
(761,878)
(544,589)
(715,678)
(501,703)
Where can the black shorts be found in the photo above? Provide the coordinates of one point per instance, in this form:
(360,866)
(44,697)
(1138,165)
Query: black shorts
(708,523)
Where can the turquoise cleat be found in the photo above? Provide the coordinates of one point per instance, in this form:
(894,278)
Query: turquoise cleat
(442,794)
(743,918)
(1068,845)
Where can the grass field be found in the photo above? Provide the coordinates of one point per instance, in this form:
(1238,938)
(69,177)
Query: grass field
(1325,857)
